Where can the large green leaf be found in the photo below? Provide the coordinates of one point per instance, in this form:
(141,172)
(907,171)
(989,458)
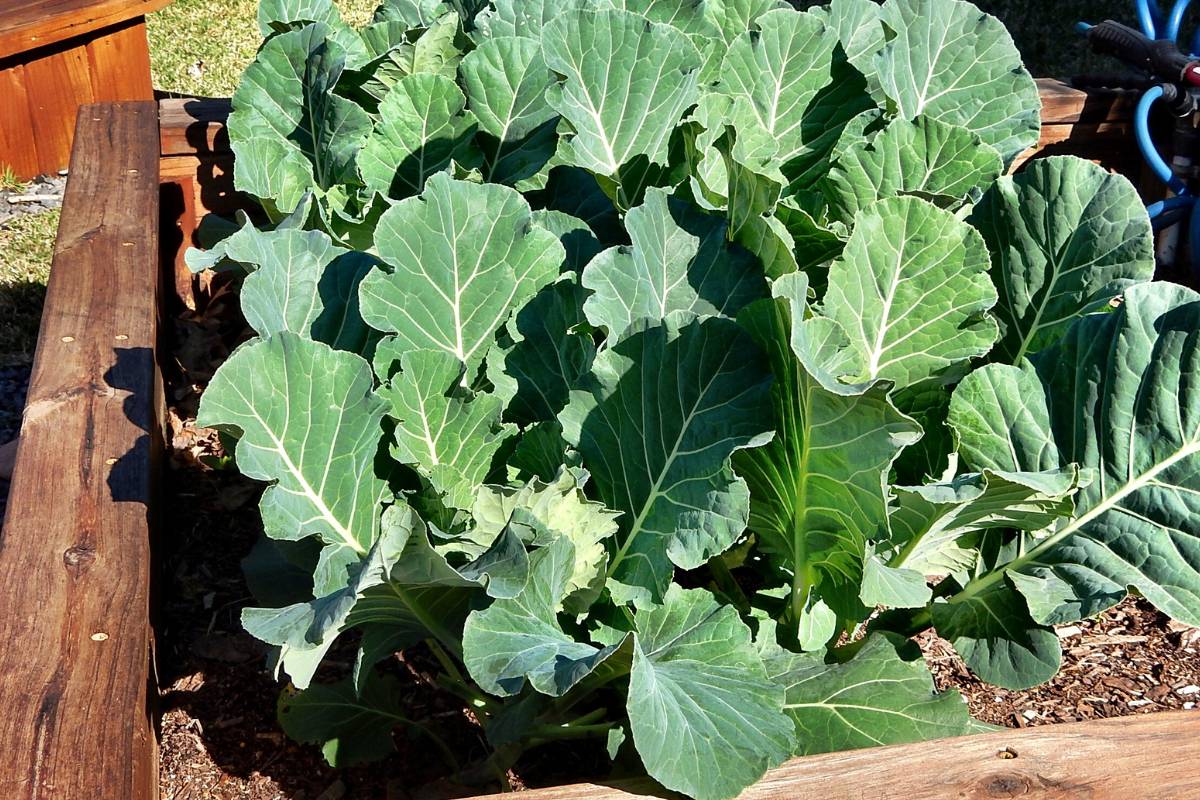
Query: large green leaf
(992,630)
(931,159)
(949,61)
(412,13)
(460,258)
(1114,395)
(792,95)
(876,698)
(288,130)
(522,17)
(548,357)
(679,261)
(449,438)
(423,126)
(301,282)
(307,422)
(506,81)
(859,28)
(665,408)
(627,84)
(911,291)
(282,15)
(1065,236)
(817,489)
(705,718)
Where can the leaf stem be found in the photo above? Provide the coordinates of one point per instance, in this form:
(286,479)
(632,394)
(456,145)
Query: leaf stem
(728,584)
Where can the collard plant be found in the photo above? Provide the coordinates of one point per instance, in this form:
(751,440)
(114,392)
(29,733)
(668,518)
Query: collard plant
(661,366)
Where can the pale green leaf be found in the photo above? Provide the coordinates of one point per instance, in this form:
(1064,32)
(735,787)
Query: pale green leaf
(459,259)
(878,697)
(308,423)
(449,438)
(949,61)
(506,80)
(627,84)
(931,159)
(911,291)
(1065,235)
(706,719)
(679,261)
(284,110)
(423,126)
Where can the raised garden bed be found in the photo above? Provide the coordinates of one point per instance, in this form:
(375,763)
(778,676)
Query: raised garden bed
(78,682)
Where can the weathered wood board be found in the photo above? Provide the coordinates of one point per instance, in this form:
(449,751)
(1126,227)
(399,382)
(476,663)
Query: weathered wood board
(75,547)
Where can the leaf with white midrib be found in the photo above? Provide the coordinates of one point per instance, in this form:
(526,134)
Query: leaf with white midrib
(267,391)
(952,63)
(679,260)
(911,290)
(1117,401)
(611,123)
(450,439)
(817,489)
(878,697)
(701,384)
(1065,234)
(460,258)
(705,718)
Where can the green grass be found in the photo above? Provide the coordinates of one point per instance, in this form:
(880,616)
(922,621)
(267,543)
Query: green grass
(26,244)
(200,47)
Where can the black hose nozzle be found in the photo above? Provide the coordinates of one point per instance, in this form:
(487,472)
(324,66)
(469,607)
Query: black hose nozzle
(1160,58)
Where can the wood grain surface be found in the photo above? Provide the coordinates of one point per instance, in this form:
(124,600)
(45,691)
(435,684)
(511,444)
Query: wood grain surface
(75,546)
(26,24)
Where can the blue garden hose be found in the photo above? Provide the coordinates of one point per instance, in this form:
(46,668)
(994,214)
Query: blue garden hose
(1141,127)
(1150,17)
(1176,20)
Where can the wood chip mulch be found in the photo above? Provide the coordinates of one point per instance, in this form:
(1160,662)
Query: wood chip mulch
(1129,660)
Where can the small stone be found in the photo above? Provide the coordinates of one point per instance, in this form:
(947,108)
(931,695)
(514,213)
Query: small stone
(1188,706)
(1029,714)
(1186,690)
(1139,703)
(1068,631)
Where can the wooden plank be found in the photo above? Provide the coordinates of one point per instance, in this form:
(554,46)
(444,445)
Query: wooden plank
(191,126)
(1148,755)
(26,24)
(58,82)
(119,62)
(17,147)
(75,546)
(1063,104)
